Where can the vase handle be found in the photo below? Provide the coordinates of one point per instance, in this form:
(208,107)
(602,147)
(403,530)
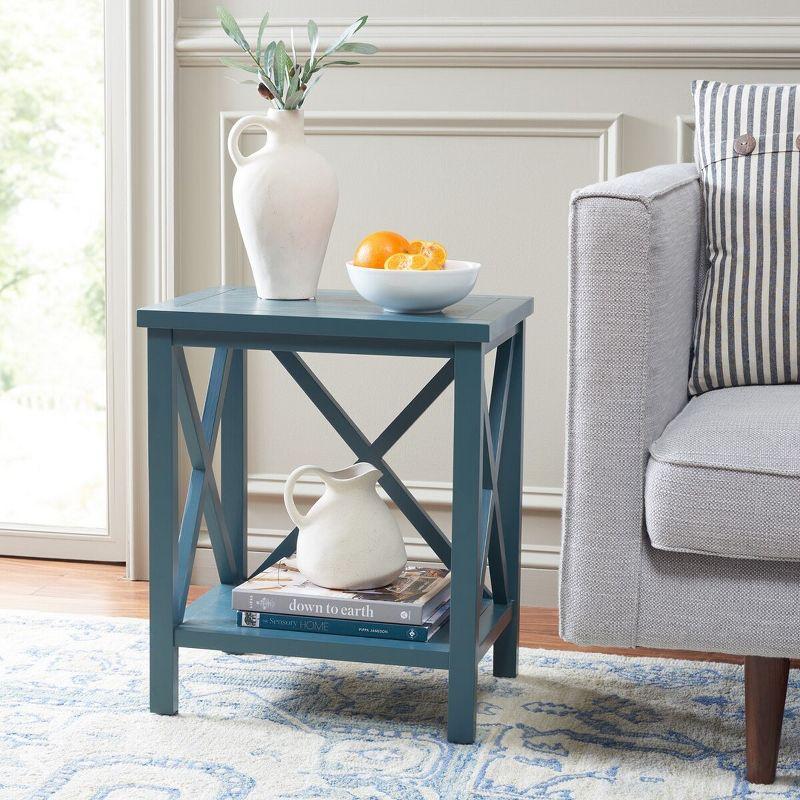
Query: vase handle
(236,154)
(288,491)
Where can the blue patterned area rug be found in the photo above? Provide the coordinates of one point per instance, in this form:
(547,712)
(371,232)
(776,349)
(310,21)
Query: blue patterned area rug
(74,724)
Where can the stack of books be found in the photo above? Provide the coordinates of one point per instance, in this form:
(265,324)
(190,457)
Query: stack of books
(413,608)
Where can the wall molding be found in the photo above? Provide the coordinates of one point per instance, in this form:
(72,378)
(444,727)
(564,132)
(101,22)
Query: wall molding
(633,42)
(431,494)
(605,128)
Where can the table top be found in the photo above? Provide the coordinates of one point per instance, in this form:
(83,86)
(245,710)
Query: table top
(477,318)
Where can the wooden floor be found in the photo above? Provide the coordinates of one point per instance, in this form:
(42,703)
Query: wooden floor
(86,588)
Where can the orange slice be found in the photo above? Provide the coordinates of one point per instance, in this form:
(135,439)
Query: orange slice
(433,251)
(406,261)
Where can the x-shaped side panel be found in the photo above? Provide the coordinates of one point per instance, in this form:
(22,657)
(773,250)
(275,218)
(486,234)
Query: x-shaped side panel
(494,417)
(202,496)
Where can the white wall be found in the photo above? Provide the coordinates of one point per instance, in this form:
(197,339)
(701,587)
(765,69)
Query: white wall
(471,127)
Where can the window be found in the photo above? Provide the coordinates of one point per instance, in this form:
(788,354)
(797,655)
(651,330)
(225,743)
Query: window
(54,415)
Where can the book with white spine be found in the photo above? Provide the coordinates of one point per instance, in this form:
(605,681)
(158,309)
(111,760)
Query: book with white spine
(409,600)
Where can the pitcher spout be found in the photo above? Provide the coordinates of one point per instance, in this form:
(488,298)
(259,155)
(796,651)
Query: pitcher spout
(362,471)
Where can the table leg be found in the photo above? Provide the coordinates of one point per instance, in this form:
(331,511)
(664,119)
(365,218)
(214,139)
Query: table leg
(466,558)
(510,489)
(162,436)
(234,460)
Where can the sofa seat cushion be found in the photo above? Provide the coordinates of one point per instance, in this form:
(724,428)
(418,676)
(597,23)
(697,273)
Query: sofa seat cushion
(724,477)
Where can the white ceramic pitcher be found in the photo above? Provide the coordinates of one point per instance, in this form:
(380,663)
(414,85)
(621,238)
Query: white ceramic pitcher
(285,197)
(349,538)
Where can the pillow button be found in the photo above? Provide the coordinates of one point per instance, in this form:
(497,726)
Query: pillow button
(797,141)
(744,145)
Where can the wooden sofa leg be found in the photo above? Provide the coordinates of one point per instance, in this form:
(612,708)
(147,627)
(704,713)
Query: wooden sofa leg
(765,682)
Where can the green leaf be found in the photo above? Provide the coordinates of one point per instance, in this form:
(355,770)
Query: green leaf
(231,27)
(294,99)
(343,63)
(279,66)
(268,58)
(293,90)
(358,47)
(313,37)
(288,63)
(261,28)
(229,62)
(346,34)
(281,56)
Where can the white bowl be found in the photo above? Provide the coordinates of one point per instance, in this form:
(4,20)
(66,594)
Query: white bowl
(415,291)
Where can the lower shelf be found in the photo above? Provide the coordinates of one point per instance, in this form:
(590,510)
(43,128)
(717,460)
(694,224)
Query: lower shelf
(209,624)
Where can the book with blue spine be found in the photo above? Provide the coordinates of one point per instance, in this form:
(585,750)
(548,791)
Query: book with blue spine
(346,627)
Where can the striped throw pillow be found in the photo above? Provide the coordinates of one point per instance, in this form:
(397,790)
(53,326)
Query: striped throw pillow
(747,149)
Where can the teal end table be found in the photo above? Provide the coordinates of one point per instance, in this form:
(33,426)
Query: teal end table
(487,473)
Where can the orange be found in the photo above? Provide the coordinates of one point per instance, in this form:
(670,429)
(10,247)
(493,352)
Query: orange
(377,247)
(406,261)
(433,251)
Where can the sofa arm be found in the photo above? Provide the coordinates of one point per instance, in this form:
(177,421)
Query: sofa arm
(636,246)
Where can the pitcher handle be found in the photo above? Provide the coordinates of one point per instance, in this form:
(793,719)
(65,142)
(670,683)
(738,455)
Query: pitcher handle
(235,153)
(288,491)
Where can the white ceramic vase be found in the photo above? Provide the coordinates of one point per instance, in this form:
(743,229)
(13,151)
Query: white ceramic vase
(349,539)
(285,197)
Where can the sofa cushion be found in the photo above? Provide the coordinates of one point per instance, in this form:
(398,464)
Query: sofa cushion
(724,477)
(747,148)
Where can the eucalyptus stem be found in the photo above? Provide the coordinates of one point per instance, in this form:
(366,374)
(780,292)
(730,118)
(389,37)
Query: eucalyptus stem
(286,82)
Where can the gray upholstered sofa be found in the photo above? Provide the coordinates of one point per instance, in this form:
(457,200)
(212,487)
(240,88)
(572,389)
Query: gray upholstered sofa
(681,519)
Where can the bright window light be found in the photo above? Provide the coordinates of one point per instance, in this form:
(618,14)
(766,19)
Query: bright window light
(53,469)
